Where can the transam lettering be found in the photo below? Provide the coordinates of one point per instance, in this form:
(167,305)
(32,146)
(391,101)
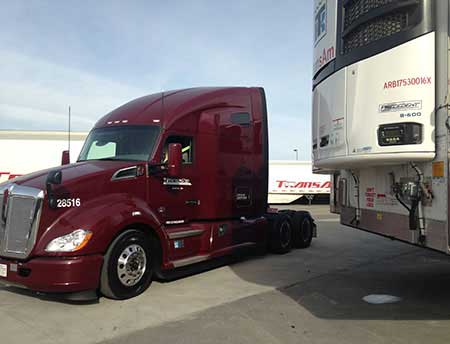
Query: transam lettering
(299,185)
(326,56)
(419,80)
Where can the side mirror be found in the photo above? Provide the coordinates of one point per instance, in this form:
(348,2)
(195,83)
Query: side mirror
(174,164)
(53,178)
(65,158)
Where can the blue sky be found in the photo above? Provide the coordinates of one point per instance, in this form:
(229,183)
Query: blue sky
(98,55)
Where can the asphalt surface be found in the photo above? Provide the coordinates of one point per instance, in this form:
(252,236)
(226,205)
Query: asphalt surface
(313,295)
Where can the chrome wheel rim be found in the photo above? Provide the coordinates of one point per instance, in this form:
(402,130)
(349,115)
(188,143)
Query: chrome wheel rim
(131,265)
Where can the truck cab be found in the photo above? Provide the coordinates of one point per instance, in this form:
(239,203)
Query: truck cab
(164,181)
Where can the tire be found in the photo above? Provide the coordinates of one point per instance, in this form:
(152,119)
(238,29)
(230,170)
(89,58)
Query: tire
(303,229)
(288,212)
(128,265)
(280,240)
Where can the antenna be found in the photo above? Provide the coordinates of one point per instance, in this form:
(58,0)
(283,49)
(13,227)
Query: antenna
(69,128)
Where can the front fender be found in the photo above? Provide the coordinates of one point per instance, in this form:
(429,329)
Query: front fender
(105,217)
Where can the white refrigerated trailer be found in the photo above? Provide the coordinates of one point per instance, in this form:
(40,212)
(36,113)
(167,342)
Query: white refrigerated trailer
(28,151)
(380,123)
(290,180)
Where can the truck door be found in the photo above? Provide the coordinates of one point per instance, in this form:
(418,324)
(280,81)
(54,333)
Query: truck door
(176,197)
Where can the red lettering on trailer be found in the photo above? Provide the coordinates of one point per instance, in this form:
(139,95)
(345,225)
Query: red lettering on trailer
(9,175)
(326,56)
(300,185)
(280,183)
(326,185)
(370,197)
(6,174)
(414,81)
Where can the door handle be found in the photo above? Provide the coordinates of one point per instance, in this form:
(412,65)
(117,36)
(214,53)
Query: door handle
(192,202)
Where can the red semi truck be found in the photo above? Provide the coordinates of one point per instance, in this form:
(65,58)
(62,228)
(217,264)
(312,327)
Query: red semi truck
(165,181)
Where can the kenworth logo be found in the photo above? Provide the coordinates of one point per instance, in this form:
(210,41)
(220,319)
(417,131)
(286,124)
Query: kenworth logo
(401,106)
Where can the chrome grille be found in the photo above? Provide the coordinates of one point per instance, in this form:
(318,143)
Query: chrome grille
(20,220)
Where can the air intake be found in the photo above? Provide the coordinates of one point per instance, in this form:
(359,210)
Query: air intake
(368,21)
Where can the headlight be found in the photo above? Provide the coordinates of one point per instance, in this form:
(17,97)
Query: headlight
(70,242)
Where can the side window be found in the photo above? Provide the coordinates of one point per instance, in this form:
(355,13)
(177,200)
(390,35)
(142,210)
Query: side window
(241,118)
(186,148)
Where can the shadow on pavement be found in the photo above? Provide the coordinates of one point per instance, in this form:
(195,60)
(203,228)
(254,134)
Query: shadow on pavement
(332,276)
(422,281)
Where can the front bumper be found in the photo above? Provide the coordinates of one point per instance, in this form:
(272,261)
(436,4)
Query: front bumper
(54,274)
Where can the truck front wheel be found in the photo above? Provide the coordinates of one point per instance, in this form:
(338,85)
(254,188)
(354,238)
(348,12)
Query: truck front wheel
(128,266)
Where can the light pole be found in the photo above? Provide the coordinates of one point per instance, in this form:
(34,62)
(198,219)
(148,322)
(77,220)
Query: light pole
(296,154)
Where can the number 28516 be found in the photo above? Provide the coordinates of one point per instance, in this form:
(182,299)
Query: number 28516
(68,202)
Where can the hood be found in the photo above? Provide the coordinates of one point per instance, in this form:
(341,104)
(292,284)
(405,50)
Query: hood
(82,185)
(93,170)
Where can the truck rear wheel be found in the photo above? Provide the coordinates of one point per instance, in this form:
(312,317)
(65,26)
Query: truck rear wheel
(128,266)
(303,230)
(280,234)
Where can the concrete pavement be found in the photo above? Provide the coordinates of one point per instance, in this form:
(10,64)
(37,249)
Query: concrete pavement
(306,296)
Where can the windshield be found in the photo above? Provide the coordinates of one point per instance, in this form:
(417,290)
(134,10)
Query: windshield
(133,143)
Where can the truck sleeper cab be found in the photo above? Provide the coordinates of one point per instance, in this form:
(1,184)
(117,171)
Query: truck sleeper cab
(164,181)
